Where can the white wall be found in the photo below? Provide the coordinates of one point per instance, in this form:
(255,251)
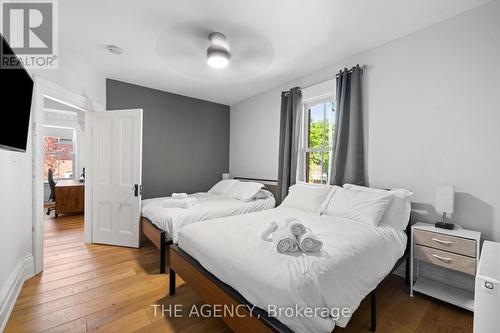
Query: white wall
(15,170)
(75,75)
(254,136)
(15,213)
(433,113)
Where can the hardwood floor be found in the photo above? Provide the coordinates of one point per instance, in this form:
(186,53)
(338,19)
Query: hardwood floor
(99,288)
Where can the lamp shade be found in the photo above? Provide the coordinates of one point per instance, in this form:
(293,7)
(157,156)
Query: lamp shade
(445,199)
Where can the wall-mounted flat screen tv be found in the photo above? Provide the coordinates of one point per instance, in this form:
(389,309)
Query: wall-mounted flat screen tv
(16,88)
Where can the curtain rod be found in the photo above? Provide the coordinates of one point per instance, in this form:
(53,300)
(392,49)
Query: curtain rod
(350,70)
(336,75)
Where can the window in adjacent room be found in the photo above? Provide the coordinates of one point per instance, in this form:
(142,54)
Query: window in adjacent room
(319,127)
(59,156)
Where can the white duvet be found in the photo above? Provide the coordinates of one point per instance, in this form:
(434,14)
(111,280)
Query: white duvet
(354,260)
(209,206)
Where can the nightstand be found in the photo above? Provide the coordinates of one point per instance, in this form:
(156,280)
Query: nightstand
(457,250)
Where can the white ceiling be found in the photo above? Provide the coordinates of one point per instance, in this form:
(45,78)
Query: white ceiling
(272,41)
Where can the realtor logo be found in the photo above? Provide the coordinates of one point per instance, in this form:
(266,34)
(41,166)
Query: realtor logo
(30,30)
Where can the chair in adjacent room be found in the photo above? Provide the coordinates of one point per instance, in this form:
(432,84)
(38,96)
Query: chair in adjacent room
(52,185)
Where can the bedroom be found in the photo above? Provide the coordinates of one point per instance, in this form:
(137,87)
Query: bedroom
(428,85)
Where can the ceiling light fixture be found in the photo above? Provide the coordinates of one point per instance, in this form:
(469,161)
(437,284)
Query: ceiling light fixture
(114,49)
(218,54)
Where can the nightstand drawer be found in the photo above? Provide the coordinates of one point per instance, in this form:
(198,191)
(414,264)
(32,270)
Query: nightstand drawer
(445,259)
(463,246)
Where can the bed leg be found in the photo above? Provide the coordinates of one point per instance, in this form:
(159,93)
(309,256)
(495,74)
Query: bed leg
(171,279)
(163,250)
(373,326)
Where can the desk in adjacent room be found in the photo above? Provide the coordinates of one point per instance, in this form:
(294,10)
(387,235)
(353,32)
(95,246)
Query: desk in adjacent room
(69,197)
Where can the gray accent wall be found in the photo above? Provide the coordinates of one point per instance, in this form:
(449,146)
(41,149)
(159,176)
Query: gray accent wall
(185,140)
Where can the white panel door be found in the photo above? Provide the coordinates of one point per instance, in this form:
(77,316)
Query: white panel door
(116,180)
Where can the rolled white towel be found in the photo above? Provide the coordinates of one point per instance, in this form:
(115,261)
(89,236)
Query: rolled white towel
(308,242)
(179,195)
(297,228)
(285,241)
(270,229)
(179,203)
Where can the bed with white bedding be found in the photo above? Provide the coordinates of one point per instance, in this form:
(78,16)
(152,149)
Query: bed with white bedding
(353,261)
(163,217)
(209,206)
(364,238)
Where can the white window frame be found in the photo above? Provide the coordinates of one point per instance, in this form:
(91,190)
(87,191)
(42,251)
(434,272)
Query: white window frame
(59,153)
(305,135)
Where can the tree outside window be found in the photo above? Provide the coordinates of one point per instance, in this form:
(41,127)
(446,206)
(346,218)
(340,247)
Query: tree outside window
(59,156)
(320,128)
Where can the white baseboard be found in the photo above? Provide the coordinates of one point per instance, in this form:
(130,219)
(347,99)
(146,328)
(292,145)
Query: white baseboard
(24,269)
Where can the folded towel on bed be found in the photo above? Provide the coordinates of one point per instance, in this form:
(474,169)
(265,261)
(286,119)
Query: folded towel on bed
(266,233)
(291,235)
(179,203)
(308,242)
(179,195)
(285,241)
(297,228)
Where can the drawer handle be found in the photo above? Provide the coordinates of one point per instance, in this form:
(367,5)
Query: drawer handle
(442,258)
(442,241)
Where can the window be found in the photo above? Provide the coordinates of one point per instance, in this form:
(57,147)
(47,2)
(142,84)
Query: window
(59,156)
(319,127)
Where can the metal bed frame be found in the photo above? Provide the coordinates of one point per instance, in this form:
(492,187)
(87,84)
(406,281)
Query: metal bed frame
(214,291)
(159,237)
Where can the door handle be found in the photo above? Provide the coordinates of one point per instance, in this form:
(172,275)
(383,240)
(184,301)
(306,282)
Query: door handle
(137,190)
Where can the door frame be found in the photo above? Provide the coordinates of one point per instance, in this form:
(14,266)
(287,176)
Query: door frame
(44,88)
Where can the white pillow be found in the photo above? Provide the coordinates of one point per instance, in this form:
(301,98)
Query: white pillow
(264,194)
(308,197)
(359,206)
(398,212)
(245,191)
(223,187)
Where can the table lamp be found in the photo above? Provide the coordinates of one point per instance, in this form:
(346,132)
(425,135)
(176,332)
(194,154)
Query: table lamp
(445,199)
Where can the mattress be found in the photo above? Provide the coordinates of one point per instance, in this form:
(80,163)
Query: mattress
(209,206)
(354,260)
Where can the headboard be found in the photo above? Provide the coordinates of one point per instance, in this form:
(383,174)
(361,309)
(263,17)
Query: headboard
(270,185)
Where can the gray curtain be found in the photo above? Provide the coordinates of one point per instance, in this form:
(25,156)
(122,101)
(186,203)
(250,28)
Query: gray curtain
(291,103)
(348,164)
